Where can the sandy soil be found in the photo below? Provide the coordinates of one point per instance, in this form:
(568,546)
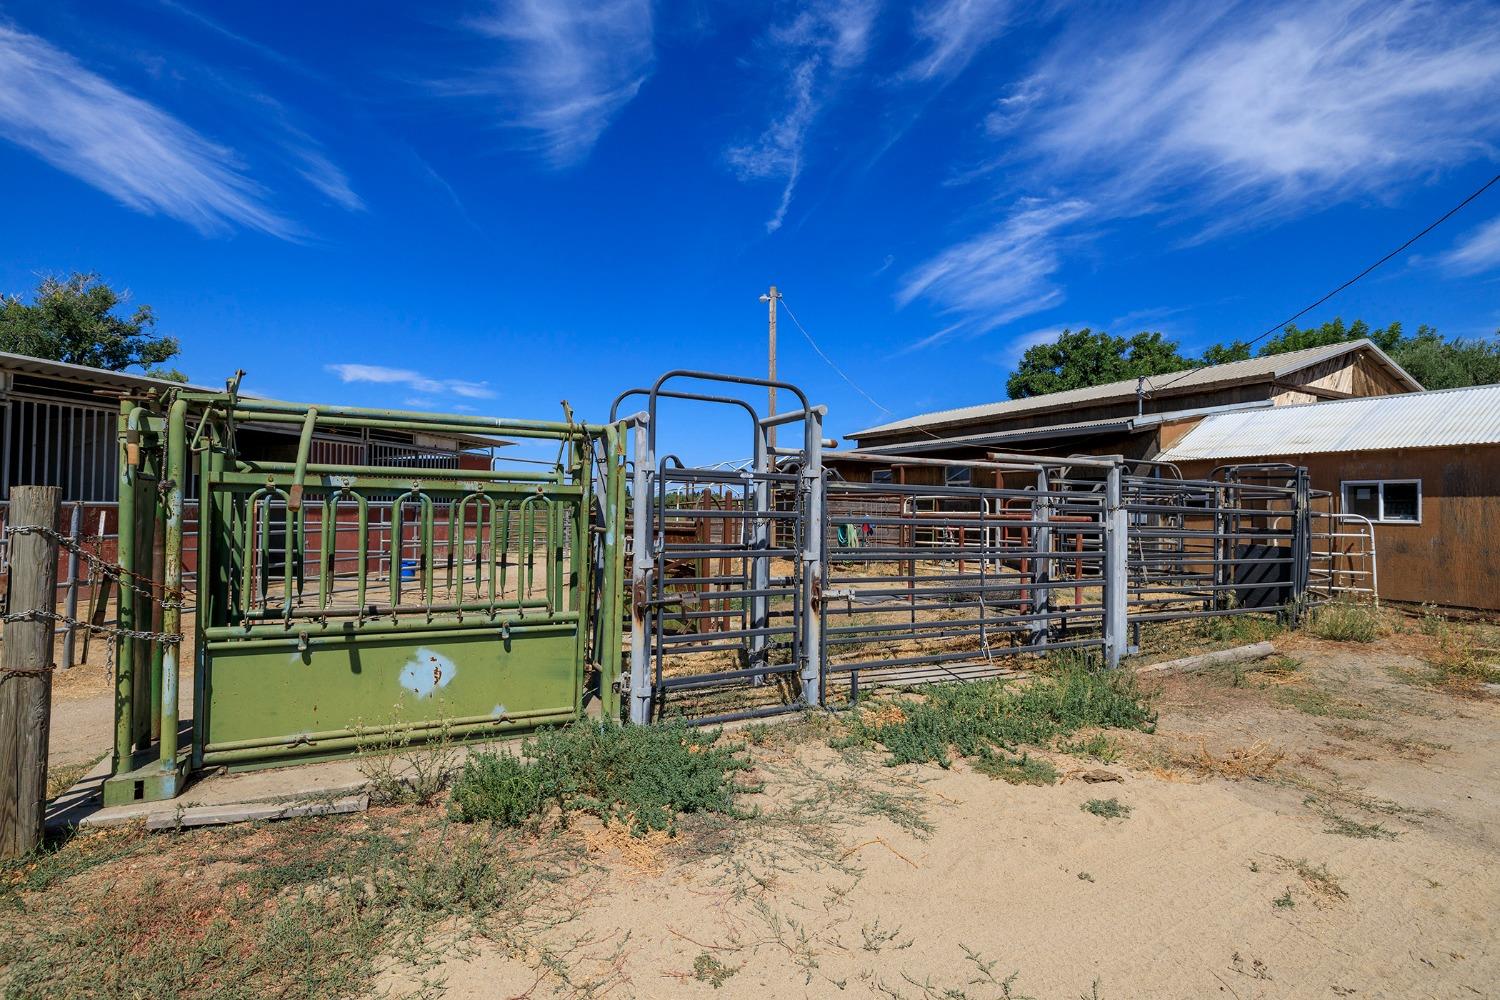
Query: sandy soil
(83,710)
(836,890)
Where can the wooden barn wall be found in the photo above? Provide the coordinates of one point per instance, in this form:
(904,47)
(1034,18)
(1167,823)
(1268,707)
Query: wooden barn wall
(1353,376)
(1452,557)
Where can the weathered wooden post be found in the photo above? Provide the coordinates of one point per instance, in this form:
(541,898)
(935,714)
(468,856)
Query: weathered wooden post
(26,668)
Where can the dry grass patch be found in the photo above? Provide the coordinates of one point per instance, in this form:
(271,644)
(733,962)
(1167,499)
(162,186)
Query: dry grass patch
(643,853)
(1257,761)
(296,909)
(1322,885)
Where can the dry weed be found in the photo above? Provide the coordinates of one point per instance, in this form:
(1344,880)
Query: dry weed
(1322,884)
(888,714)
(1256,761)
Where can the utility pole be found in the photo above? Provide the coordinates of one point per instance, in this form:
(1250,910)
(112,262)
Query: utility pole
(770,299)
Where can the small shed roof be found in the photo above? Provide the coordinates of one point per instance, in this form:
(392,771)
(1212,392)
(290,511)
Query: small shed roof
(101,378)
(107,380)
(1264,369)
(1443,418)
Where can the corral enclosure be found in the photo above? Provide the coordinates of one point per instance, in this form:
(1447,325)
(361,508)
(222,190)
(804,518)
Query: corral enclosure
(337,601)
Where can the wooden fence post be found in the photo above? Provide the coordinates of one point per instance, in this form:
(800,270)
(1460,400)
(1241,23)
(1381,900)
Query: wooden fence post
(26,670)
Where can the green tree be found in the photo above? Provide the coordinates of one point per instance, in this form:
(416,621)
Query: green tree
(1085,358)
(1434,361)
(1222,354)
(73,320)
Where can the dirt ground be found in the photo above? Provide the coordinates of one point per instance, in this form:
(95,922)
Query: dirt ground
(1319,828)
(1336,842)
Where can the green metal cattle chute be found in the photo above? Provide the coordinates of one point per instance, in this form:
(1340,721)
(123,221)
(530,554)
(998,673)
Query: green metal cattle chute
(345,606)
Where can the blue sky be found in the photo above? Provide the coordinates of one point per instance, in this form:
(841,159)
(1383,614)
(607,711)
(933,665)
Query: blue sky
(490,207)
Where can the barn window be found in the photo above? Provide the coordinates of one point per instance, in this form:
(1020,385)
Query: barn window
(880,475)
(1389,501)
(958,477)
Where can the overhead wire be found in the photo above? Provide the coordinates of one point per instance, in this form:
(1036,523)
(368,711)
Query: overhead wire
(829,361)
(1309,308)
(840,372)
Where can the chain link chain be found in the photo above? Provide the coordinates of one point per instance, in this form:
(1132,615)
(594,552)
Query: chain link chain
(36,615)
(147,587)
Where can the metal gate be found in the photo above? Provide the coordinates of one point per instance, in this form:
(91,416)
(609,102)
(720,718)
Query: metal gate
(343,606)
(1238,542)
(725,566)
(926,580)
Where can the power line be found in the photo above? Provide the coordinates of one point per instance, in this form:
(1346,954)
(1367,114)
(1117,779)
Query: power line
(1394,253)
(829,361)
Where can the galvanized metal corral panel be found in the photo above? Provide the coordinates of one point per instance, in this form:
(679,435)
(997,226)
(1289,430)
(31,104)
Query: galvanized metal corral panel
(1412,420)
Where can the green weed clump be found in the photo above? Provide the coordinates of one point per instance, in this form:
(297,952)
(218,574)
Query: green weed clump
(1096,747)
(1239,629)
(973,719)
(1106,808)
(498,787)
(643,776)
(1022,770)
(1344,621)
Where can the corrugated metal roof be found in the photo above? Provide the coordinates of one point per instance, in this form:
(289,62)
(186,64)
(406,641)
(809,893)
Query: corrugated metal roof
(1374,423)
(1082,428)
(90,376)
(1252,370)
(105,379)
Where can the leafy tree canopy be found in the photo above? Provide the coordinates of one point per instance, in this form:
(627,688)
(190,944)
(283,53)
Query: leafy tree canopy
(73,320)
(1086,358)
(1434,361)
(1078,360)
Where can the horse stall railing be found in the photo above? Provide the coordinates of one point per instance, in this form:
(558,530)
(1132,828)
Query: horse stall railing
(1342,563)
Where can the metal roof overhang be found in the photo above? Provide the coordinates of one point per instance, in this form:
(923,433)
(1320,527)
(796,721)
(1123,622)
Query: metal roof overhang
(1053,432)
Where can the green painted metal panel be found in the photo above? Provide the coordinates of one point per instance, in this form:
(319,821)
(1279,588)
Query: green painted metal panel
(345,606)
(290,702)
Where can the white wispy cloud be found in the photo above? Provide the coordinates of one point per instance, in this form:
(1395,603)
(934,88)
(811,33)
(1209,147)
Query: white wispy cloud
(321,172)
(1214,118)
(1478,251)
(563,69)
(1002,274)
(1253,110)
(125,146)
(417,382)
(952,32)
(813,52)
(1016,345)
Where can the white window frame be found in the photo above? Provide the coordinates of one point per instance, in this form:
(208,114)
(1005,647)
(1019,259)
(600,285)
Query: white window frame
(1380,498)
